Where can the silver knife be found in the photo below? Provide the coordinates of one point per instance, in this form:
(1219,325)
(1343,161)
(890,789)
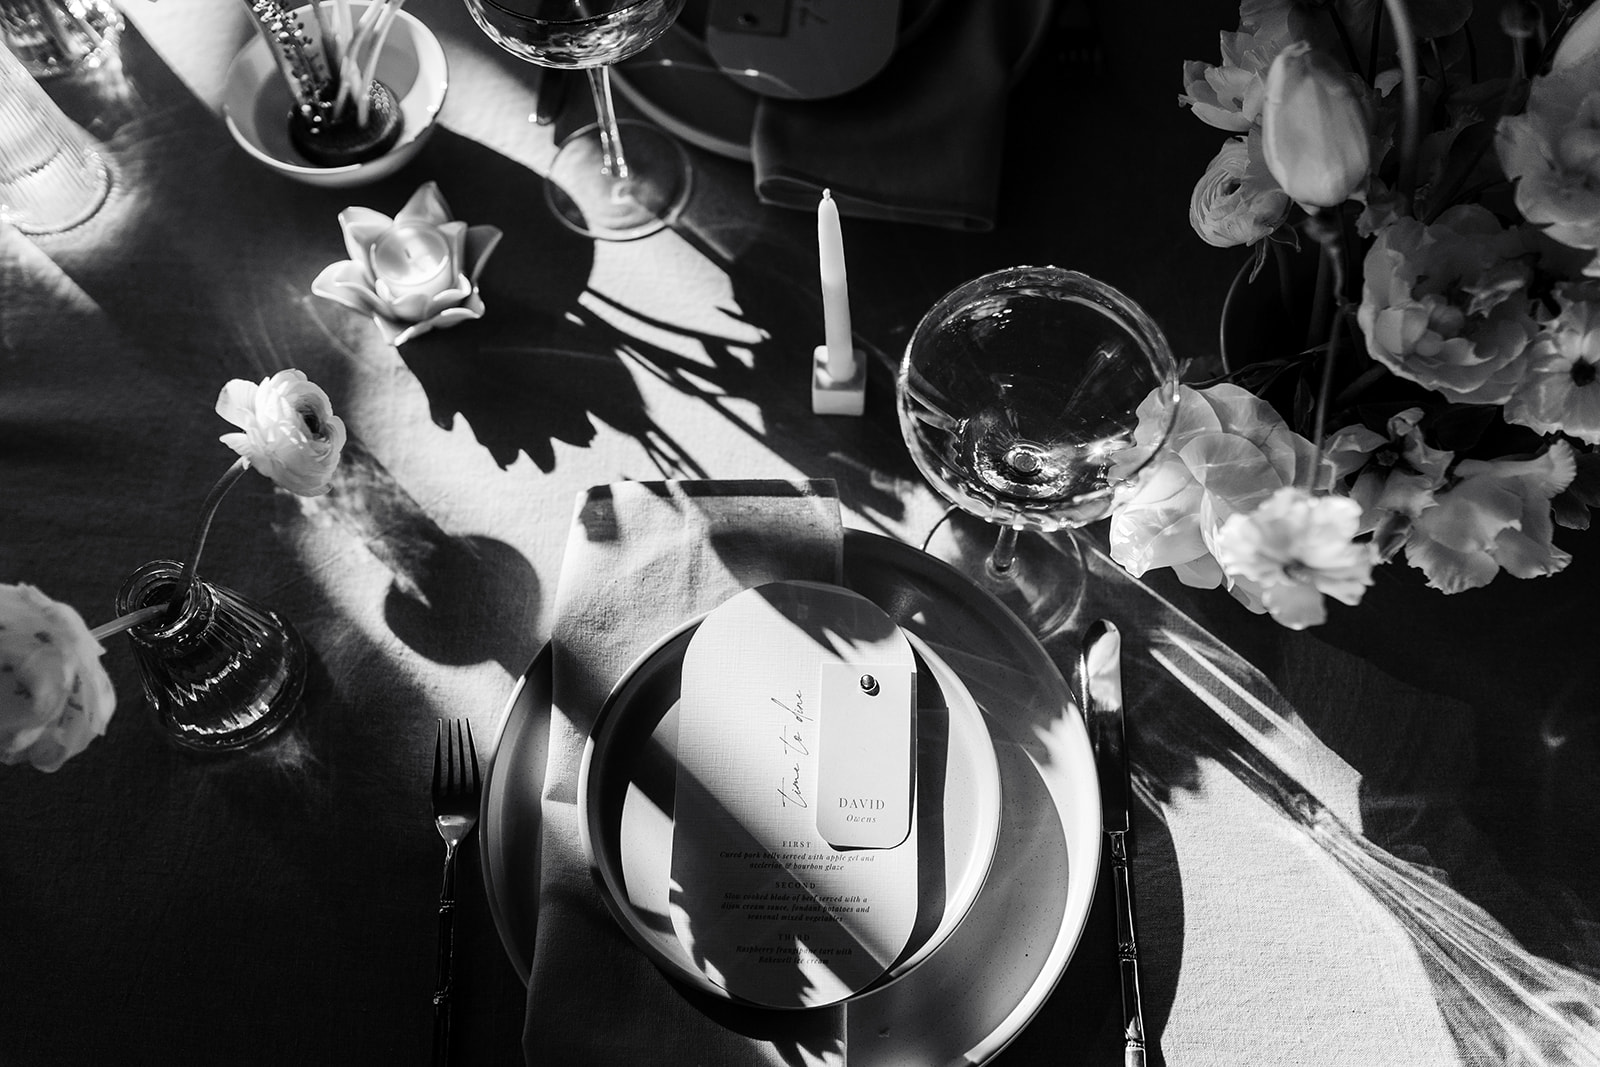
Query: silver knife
(1101,670)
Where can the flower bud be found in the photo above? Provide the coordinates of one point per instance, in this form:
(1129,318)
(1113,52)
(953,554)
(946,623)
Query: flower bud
(1315,129)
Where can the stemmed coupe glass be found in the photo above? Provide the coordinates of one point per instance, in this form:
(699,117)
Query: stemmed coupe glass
(1017,389)
(593,186)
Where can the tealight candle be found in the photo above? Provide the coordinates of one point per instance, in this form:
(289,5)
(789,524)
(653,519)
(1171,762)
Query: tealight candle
(412,258)
(835,294)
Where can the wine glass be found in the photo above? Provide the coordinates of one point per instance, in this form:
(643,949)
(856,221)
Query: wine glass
(593,187)
(1016,390)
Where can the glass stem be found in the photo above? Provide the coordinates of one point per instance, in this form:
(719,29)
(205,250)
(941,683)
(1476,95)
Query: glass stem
(605,116)
(1004,556)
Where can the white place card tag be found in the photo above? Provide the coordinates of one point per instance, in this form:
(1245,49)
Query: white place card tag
(762,903)
(867,753)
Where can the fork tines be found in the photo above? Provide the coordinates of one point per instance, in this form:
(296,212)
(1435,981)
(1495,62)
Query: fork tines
(450,752)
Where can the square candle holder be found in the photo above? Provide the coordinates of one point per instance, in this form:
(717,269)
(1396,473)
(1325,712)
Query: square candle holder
(829,395)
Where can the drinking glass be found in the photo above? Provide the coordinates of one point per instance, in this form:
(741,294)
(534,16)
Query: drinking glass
(1017,389)
(51,179)
(593,187)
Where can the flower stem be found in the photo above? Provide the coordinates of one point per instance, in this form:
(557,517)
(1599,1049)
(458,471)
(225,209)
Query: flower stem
(1410,109)
(1321,291)
(208,511)
(128,621)
(1372,45)
(1331,240)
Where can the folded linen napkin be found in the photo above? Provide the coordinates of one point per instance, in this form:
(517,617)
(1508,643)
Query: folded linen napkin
(919,143)
(641,559)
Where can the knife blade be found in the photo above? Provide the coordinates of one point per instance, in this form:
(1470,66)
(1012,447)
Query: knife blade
(1101,670)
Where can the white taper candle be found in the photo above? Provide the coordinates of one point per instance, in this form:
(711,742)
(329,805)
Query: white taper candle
(835,293)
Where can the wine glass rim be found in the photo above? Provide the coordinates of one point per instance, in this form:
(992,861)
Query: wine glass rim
(1145,329)
(588,20)
(1110,300)
(1118,300)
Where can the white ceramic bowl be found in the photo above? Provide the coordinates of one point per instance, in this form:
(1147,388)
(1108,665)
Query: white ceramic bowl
(256,103)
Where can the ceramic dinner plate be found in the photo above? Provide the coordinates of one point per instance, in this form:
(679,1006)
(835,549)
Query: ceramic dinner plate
(628,826)
(677,85)
(976,989)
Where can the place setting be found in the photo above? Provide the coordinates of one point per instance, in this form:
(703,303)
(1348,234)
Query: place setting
(714,884)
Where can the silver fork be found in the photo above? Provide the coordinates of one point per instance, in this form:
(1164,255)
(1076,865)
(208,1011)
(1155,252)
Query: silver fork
(455,813)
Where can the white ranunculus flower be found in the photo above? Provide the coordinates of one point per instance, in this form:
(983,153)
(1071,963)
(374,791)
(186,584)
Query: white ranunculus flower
(1236,201)
(54,696)
(289,430)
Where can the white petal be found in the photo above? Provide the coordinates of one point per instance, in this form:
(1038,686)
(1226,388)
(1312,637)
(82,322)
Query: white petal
(426,205)
(361,226)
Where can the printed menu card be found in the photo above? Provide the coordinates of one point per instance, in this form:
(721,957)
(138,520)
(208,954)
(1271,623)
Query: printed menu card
(794,850)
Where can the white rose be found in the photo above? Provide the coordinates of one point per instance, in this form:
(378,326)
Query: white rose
(290,432)
(54,696)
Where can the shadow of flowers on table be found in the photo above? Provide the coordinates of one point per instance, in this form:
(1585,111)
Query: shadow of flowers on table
(454,599)
(554,360)
(522,397)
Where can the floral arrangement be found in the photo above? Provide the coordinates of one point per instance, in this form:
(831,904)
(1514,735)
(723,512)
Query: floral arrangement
(55,697)
(1439,402)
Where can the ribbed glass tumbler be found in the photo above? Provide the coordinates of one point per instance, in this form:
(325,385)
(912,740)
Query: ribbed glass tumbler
(51,178)
(221,671)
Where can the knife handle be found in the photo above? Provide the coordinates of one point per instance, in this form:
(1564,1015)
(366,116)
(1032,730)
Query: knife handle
(1127,952)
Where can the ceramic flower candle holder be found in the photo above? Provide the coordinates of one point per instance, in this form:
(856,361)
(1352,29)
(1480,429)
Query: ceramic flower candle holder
(412,273)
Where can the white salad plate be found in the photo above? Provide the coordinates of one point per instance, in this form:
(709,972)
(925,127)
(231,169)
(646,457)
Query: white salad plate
(627,821)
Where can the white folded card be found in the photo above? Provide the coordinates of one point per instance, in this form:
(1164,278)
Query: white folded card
(764,904)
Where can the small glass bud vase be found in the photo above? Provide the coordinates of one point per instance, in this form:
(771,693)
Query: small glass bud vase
(223,672)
